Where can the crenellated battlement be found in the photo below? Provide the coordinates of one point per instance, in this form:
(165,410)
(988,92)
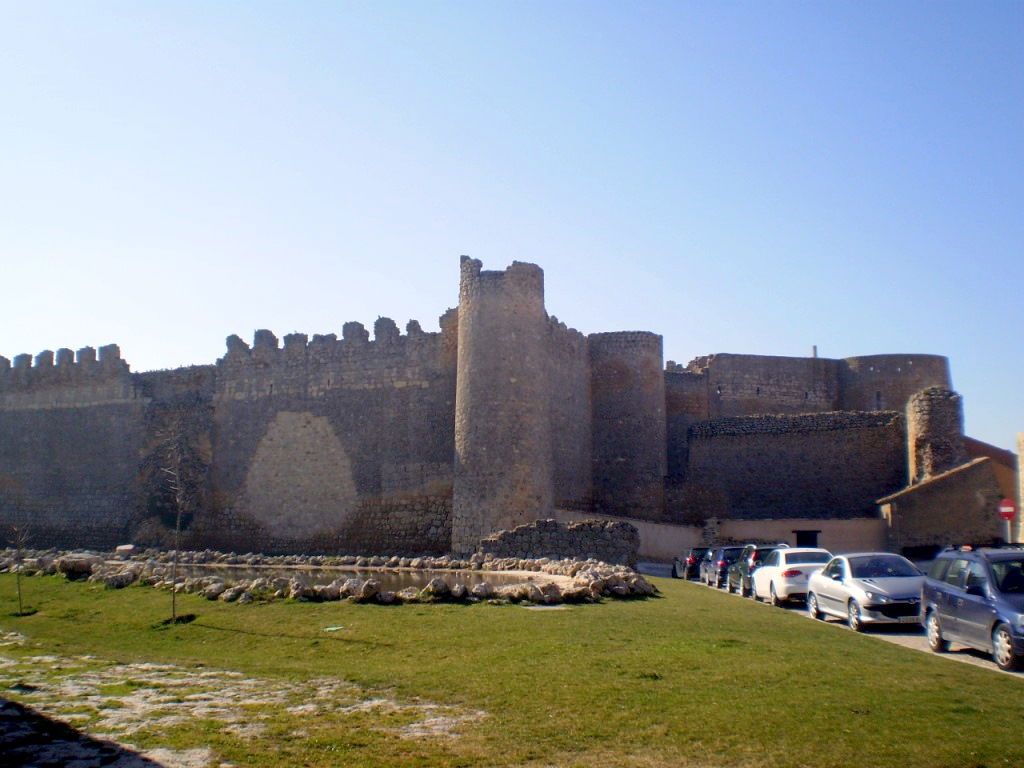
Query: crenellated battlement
(64,367)
(565,338)
(519,277)
(64,378)
(298,365)
(266,348)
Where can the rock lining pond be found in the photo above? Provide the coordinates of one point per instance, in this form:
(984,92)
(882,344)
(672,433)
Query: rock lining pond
(247,578)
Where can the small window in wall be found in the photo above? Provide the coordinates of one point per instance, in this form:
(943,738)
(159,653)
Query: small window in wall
(806,538)
(878,401)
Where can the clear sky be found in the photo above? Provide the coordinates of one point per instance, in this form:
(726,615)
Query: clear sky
(750,177)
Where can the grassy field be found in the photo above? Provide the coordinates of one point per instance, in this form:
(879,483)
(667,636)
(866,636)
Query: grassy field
(693,678)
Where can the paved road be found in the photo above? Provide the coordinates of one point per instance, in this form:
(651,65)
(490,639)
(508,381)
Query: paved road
(907,636)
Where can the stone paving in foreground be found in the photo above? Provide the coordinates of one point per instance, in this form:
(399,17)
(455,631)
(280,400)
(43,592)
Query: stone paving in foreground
(83,710)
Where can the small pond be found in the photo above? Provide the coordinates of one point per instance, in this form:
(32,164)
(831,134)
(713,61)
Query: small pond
(391,579)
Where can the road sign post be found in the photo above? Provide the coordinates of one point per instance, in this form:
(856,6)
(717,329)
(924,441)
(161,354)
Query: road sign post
(1008,511)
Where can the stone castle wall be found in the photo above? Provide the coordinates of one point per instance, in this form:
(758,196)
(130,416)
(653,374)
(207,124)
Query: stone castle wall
(721,385)
(336,444)
(70,437)
(825,465)
(628,417)
(568,374)
(422,442)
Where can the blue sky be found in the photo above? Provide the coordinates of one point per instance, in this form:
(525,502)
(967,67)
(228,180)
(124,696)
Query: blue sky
(751,177)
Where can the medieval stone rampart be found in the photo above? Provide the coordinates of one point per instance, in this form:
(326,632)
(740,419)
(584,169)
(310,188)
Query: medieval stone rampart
(886,382)
(721,385)
(70,435)
(330,443)
(65,380)
(568,374)
(627,386)
(387,442)
(823,465)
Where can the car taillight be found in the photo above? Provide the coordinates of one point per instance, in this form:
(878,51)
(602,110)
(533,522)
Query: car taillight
(722,563)
(691,560)
(791,573)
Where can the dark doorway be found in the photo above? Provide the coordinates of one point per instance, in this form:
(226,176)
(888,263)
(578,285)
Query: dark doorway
(806,538)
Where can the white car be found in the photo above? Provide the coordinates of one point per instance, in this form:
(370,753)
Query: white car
(867,588)
(784,573)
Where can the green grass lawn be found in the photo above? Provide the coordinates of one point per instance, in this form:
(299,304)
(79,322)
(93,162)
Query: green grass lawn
(694,678)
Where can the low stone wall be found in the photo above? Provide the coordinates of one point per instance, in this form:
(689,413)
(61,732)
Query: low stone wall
(545,581)
(605,540)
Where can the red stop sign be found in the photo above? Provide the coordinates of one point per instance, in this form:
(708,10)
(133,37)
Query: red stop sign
(1007,509)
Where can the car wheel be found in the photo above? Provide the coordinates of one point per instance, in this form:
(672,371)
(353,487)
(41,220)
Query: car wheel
(675,571)
(812,607)
(728,585)
(773,596)
(753,592)
(853,616)
(1002,649)
(935,639)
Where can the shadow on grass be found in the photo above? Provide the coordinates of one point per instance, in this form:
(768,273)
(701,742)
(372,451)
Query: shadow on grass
(30,738)
(28,612)
(188,618)
(319,636)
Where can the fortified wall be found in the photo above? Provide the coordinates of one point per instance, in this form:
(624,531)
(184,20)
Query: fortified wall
(428,442)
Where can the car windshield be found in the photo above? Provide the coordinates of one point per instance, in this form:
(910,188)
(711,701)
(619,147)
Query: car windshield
(732,554)
(1009,575)
(795,558)
(761,554)
(881,567)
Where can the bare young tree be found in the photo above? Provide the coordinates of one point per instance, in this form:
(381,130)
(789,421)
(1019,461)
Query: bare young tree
(174,449)
(20,537)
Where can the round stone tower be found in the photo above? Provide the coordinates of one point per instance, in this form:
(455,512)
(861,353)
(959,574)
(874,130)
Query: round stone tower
(503,461)
(627,385)
(935,432)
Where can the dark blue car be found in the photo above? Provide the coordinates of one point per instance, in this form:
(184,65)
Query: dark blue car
(975,597)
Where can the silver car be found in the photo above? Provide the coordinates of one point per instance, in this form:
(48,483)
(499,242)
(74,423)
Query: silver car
(867,588)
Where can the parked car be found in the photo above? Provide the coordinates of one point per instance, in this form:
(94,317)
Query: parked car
(715,565)
(688,565)
(783,574)
(976,598)
(738,579)
(867,588)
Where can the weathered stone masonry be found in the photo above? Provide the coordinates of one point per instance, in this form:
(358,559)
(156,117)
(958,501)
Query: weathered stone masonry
(422,442)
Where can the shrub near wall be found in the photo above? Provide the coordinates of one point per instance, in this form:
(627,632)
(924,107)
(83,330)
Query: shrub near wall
(605,540)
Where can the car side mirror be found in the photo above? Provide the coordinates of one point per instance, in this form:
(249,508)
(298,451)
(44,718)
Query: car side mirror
(837,577)
(974,589)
